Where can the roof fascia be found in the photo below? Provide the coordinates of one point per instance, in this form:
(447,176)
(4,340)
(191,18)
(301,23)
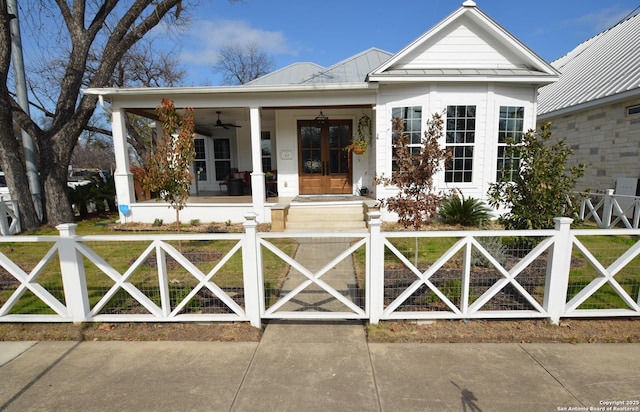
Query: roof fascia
(538,80)
(357,94)
(588,105)
(115,91)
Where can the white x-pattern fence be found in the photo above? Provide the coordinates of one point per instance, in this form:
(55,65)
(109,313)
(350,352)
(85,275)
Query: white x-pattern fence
(376,276)
(608,210)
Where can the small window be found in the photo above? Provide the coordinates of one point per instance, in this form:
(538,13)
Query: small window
(633,110)
(510,127)
(412,117)
(460,138)
(265,143)
(200,163)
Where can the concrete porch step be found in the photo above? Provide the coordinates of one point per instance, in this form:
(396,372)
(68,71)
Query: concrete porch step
(325,214)
(316,226)
(325,217)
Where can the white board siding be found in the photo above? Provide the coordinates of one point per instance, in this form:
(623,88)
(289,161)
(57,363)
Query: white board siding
(464,45)
(435,98)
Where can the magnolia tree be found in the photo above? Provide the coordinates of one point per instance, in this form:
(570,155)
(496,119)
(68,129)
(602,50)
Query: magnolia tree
(542,188)
(417,201)
(168,170)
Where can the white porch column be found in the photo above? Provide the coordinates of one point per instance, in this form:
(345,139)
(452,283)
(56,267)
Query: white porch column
(123,177)
(258,191)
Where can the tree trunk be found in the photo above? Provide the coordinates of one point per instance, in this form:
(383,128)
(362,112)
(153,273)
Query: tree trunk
(57,199)
(16,177)
(10,159)
(54,171)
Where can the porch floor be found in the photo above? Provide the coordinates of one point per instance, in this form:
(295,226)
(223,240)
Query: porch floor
(222,197)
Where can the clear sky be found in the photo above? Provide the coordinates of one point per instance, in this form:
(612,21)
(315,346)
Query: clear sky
(328,31)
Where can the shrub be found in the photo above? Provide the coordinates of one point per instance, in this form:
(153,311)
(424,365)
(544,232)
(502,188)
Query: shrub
(157,222)
(466,212)
(494,247)
(542,188)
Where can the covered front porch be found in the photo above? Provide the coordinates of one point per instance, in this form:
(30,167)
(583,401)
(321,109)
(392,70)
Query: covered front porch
(297,134)
(303,212)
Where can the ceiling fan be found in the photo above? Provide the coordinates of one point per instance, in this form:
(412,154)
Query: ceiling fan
(224,125)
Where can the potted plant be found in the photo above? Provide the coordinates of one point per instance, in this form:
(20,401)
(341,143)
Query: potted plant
(360,143)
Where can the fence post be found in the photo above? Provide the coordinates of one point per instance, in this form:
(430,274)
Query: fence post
(376,268)
(250,261)
(74,280)
(607,209)
(558,266)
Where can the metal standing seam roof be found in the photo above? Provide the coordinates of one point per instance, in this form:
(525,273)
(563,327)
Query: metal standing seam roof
(351,70)
(295,73)
(601,67)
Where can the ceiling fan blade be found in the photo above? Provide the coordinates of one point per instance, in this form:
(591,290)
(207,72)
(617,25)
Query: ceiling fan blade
(224,125)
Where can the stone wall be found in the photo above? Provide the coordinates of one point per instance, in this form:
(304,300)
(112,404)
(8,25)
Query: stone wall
(606,139)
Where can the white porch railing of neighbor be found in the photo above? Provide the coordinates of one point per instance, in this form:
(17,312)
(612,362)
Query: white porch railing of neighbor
(374,276)
(9,218)
(608,210)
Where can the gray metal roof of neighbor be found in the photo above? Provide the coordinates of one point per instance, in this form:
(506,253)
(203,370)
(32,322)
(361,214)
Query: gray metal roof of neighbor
(351,70)
(605,66)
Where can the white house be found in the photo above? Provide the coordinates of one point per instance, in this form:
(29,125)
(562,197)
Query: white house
(297,121)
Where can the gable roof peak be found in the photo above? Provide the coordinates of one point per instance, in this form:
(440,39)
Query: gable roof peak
(468,45)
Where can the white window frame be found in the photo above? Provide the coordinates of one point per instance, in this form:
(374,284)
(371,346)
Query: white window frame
(508,132)
(415,130)
(452,142)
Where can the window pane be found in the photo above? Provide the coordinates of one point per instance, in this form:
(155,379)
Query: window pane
(222,149)
(460,133)
(510,126)
(223,169)
(201,170)
(412,117)
(198,145)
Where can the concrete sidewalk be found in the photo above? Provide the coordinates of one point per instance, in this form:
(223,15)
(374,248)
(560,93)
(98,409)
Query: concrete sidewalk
(316,367)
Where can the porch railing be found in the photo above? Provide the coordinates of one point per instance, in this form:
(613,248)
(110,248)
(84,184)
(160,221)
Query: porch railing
(377,275)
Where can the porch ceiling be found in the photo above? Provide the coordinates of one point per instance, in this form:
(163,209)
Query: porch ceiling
(205,118)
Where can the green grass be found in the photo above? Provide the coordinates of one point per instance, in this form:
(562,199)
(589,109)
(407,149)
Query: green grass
(120,255)
(606,249)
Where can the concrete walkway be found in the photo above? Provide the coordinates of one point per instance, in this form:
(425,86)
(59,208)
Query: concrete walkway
(314,254)
(315,367)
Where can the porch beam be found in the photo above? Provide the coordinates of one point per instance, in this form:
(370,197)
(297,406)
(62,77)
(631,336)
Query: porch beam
(258,191)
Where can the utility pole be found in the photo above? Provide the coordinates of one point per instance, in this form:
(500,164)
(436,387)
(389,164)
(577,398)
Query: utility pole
(23,101)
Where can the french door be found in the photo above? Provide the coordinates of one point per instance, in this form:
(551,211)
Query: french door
(324,164)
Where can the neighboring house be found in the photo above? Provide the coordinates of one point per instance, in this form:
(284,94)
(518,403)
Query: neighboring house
(595,106)
(297,120)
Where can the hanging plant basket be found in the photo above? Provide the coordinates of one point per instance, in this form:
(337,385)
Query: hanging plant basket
(359,150)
